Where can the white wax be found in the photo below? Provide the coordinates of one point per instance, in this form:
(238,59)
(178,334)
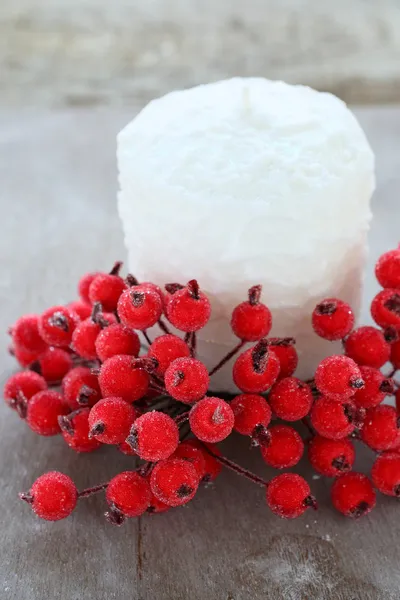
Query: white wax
(249,181)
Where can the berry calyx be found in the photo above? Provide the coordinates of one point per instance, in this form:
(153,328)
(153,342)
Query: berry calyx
(385,473)
(128,495)
(353,495)
(332,319)
(80,387)
(376,388)
(284,448)
(289,495)
(106,288)
(187,379)
(174,481)
(331,457)
(26,336)
(166,349)
(285,351)
(380,427)
(211,419)
(123,376)
(387,269)
(154,436)
(250,410)
(251,320)
(139,307)
(26,383)
(367,346)
(110,420)
(75,431)
(116,339)
(188,309)
(338,377)
(53,365)
(290,399)
(43,411)
(334,420)
(385,308)
(56,326)
(52,497)
(256,369)
(194,454)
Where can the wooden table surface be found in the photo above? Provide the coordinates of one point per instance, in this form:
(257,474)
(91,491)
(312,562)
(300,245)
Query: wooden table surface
(57,193)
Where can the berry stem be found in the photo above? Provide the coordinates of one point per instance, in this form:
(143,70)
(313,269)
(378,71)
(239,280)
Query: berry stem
(308,426)
(146,336)
(162,325)
(193,345)
(227,357)
(92,490)
(237,468)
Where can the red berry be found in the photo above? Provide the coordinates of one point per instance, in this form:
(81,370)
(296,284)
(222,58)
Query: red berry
(106,288)
(85,335)
(286,353)
(331,457)
(385,308)
(53,496)
(156,506)
(291,399)
(57,324)
(80,308)
(187,451)
(367,346)
(380,427)
(128,495)
(353,495)
(80,388)
(188,309)
(250,410)
(289,495)
(139,307)
(187,379)
(110,420)
(376,388)
(26,383)
(333,420)
(211,419)
(284,448)
(24,357)
(26,336)
(395,355)
(53,365)
(117,339)
(166,349)
(385,473)
(43,411)
(75,431)
(338,377)
(387,269)
(125,448)
(84,285)
(154,436)
(212,466)
(124,377)
(251,320)
(256,369)
(332,319)
(174,481)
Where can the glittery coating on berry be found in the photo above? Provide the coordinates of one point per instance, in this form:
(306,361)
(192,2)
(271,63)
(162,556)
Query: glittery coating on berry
(166,349)
(284,448)
(53,364)
(57,324)
(332,419)
(380,427)
(331,457)
(367,346)
(106,289)
(213,467)
(290,399)
(53,496)
(174,481)
(332,319)
(25,334)
(119,377)
(26,383)
(43,411)
(116,339)
(84,339)
(82,309)
(385,473)
(110,420)
(75,431)
(211,419)
(387,269)
(187,380)
(129,493)
(385,308)
(353,495)
(285,351)
(338,377)
(154,436)
(84,285)
(139,307)
(80,387)
(376,388)
(288,495)
(251,320)
(250,410)
(188,451)
(256,369)
(188,309)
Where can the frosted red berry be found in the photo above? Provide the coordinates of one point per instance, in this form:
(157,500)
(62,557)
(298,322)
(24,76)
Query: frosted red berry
(353,495)
(53,364)
(125,448)
(128,495)
(387,269)
(139,307)
(75,431)
(251,320)
(289,495)
(106,288)
(117,339)
(26,383)
(53,496)
(284,448)
(285,351)
(80,387)
(376,388)
(186,379)
(85,335)
(156,506)
(24,357)
(25,334)
(367,346)
(211,419)
(385,308)
(332,319)
(212,466)
(333,420)
(188,309)
(84,285)
(385,473)
(166,349)
(154,436)
(124,377)
(256,369)
(331,457)
(290,399)
(174,481)
(80,308)
(43,411)
(187,451)
(380,428)
(395,355)
(57,324)
(338,377)
(110,420)
(250,410)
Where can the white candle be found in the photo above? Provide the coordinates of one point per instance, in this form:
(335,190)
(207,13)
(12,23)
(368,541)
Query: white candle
(243,182)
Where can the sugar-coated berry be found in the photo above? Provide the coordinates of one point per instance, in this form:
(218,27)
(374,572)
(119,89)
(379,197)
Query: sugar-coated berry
(125,448)
(387,269)
(284,448)
(174,481)
(385,308)
(211,419)
(84,285)
(195,455)
(212,466)
(156,506)
(123,377)
(154,436)
(128,495)
(117,339)
(24,357)
(107,288)
(291,399)
(26,383)
(331,457)
(250,410)
(367,346)
(139,307)
(80,387)
(43,411)
(110,420)
(188,309)
(380,427)
(85,335)
(353,495)
(25,334)
(53,364)
(395,355)
(75,431)
(53,496)
(186,379)
(289,495)
(166,349)
(338,377)
(80,308)
(333,420)
(376,388)
(251,320)
(57,324)
(332,319)
(285,351)
(256,369)
(385,473)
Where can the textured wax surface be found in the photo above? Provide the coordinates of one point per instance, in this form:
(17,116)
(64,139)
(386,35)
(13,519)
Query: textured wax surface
(249,181)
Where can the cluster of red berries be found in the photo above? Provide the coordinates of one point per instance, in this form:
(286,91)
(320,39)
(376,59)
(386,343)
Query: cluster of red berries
(154,405)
